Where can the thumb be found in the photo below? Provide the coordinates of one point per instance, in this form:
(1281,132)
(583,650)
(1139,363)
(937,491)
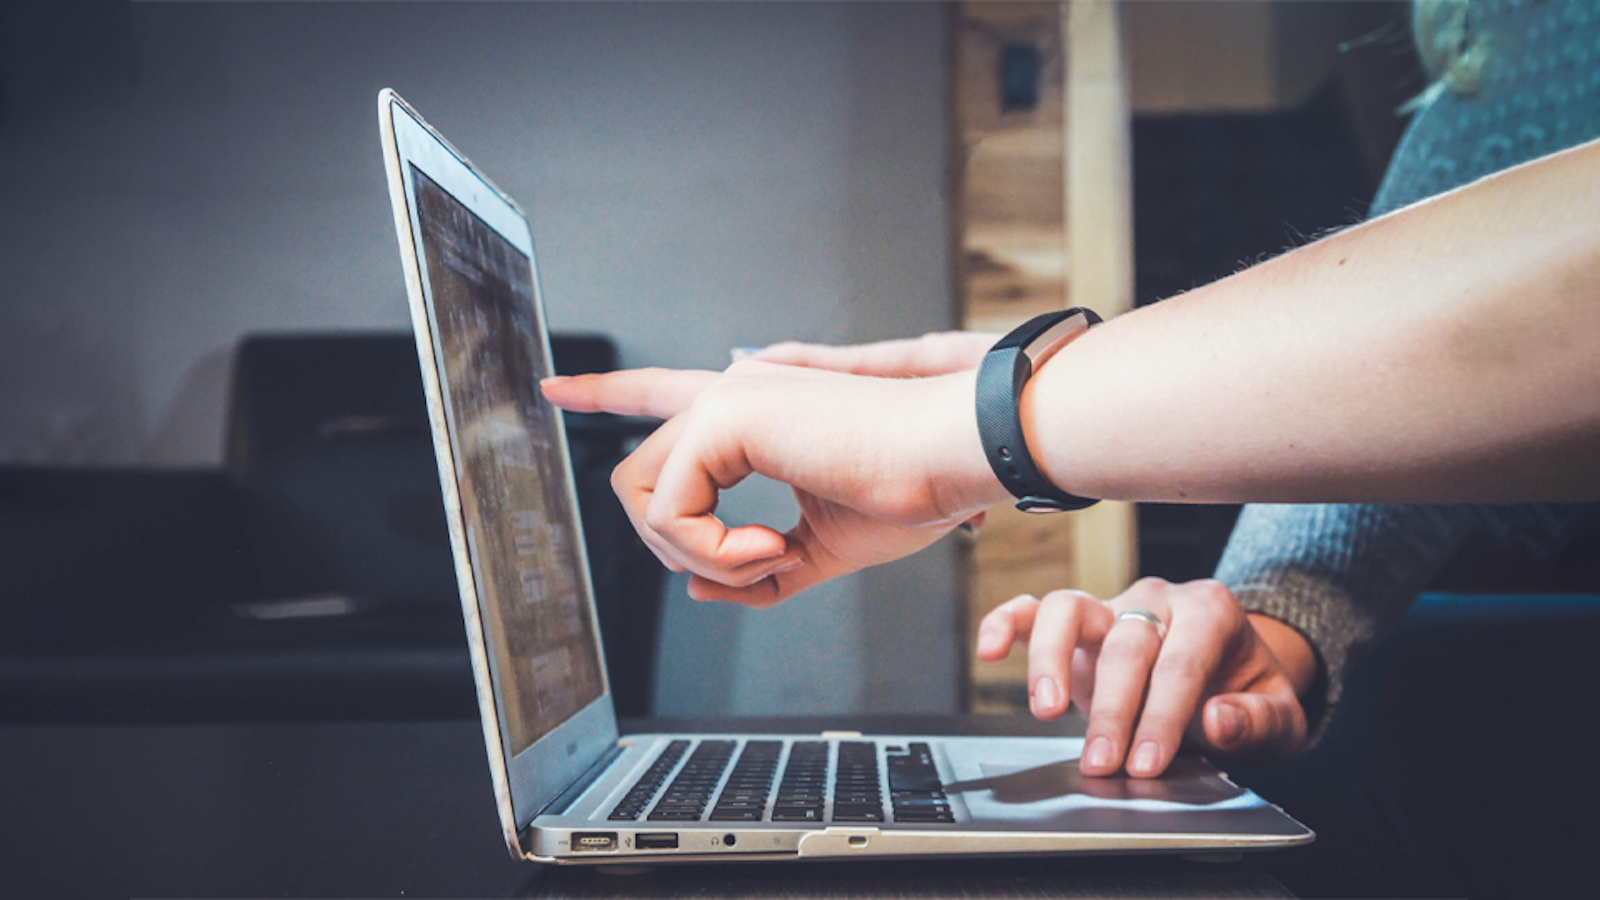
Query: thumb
(1271,724)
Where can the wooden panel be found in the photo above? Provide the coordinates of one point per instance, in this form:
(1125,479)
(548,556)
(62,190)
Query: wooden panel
(1018,186)
(1100,196)
(1011,242)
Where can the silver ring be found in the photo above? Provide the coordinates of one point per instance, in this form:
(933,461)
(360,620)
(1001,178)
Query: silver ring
(1145,616)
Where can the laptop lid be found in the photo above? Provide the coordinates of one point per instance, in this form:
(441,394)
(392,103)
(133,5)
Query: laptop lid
(509,497)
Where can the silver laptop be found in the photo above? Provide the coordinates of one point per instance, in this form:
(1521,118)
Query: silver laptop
(571,789)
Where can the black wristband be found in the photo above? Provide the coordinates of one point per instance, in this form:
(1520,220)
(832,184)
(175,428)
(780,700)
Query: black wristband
(1006,368)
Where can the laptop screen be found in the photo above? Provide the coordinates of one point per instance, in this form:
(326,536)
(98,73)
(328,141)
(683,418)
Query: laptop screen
(511,471)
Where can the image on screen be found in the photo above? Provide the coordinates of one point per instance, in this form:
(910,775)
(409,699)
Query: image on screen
(511,471)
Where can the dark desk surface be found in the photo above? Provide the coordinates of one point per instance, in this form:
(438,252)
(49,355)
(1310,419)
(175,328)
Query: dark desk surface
(404,809)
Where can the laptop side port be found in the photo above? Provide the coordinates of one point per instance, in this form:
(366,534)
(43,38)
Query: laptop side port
(655,840)
(593,841)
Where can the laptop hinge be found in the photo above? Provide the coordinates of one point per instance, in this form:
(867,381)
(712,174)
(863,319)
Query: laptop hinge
(564,800)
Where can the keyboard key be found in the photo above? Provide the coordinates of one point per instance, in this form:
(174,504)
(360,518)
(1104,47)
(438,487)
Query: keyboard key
(922,815)
(674,815)
(857,812)
(797,814)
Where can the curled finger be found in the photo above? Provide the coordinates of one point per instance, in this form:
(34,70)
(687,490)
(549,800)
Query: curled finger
(1058,629)
(701,463)
(1008,623)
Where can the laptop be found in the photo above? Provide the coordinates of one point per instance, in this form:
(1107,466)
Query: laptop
(569,787)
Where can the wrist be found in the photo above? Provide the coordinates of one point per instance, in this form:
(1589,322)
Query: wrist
(955,466)
(1293,651)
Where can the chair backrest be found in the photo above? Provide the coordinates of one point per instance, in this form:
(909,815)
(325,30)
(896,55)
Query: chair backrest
(328,450)
(329,453)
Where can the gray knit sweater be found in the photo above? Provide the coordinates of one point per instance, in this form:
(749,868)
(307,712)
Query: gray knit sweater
(1519,79)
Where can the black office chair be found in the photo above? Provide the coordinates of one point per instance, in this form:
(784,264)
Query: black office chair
(329,454)
(340,509)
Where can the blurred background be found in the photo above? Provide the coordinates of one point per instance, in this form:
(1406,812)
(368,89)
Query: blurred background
(217,499)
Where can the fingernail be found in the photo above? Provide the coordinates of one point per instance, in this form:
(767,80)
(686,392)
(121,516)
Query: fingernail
(554,379)
(1046,695)
(1230,723)
(739,353)
(989,641)
(1145,758)
(789,566)
(1099,755)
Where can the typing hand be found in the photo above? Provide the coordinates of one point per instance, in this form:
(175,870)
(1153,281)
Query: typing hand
(881,467)
(938,353)
(1226,681)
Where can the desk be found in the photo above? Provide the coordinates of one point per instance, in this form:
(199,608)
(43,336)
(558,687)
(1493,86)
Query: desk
(404,809)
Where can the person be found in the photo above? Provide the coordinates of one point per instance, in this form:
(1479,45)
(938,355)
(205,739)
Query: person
(1438,353)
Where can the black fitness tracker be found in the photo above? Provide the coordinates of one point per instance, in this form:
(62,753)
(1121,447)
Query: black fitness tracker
(1006,368)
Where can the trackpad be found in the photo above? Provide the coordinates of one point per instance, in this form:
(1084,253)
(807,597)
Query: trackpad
(1183,784)
(1053,794)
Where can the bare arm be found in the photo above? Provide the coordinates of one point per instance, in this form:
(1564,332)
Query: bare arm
(1445,352)
(1448,351)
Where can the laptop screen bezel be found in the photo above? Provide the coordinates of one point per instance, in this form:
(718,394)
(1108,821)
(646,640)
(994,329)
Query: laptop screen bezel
(526,780)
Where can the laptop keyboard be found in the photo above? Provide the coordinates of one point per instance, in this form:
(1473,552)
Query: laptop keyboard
(688,794)
(639,796)
(744,797)
(916,795)
(914,788)
(856,797)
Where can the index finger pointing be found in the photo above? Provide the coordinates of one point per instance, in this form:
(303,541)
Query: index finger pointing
(657,393)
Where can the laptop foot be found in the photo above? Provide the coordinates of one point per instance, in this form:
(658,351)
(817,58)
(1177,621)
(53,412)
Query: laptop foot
(1224,857)
(625,870)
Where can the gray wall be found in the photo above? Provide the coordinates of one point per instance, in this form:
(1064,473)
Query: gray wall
(699,177)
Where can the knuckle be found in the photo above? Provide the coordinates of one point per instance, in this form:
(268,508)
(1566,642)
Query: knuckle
(1122,654)
(1266,722)
(1183,667)
(1065,596)
(657,517)
(1110,717)
(1214,594)
(1043,660)
(714,402)
(1160,726)
(747,366)
(1212,607)
(1152,583)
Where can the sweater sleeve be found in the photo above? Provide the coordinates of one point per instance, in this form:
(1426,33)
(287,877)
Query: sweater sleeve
(1344,575)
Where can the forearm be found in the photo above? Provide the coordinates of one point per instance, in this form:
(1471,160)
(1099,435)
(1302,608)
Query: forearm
(1443,352)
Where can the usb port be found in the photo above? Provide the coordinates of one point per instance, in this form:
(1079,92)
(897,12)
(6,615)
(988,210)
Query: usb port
(594,841)
(656,840)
